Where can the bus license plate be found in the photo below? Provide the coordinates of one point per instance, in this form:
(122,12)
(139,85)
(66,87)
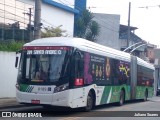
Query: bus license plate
(35,101)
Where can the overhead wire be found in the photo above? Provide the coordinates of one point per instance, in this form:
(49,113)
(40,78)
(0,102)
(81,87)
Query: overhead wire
(12,6)
(12,14)
(68,6)
(95,17)
(109,19)
(147,7)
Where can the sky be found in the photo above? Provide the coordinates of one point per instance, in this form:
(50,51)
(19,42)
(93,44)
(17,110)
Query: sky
(145,15)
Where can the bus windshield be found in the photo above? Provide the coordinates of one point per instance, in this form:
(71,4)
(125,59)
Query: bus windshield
(43,67)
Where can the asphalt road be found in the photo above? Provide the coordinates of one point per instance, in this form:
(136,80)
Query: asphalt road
(132,110)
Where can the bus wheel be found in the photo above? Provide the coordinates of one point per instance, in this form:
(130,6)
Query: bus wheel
(90,101)
(145,95)
(157,93)
(121,100)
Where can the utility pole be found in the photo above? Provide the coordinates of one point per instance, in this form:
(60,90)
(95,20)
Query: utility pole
(29,24)
(128,31)
(30,31)
(37,19)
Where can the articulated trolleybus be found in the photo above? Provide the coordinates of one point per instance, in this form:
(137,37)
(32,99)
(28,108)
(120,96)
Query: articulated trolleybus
(73,72)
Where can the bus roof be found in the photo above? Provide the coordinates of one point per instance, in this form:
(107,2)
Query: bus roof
(144,63)
(87,46)
(81,44)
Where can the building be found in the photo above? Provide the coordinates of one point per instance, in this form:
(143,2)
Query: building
(139,47)
(150,52)
(109,29)
(57,13)
(123,36)
(157,71)
(53,14)
(13,20)
(125,42)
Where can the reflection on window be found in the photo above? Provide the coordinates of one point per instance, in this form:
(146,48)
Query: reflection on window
(27,67)
(44,68)
(55,67)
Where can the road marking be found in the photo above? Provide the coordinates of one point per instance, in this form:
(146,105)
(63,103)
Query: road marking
(70,118)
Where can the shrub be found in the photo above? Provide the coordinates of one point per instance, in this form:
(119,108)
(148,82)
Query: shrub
(11,46)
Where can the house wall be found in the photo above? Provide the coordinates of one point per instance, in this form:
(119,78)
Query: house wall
(150,54)
(54,16)
(109,29)
(8,74)
(58,17)
(123,43)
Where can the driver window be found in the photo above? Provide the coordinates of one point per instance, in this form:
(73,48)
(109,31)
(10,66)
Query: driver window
(79,64)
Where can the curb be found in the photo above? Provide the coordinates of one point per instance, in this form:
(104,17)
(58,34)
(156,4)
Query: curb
(9,103)
(11,106)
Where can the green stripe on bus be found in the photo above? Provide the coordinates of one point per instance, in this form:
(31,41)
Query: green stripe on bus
(112,94)
(23,87)
(105,95)
(140,91)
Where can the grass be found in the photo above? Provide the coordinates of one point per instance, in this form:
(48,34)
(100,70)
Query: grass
(11,46)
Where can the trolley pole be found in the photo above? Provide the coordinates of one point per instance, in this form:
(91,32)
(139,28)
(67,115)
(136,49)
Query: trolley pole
(37,19)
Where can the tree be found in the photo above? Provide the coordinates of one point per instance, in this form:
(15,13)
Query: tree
(85,27)
(52,32)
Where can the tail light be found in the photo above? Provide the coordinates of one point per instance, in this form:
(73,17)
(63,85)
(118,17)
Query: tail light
(17,86)
(79,82)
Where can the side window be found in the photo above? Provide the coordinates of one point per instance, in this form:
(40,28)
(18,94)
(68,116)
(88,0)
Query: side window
(79,64)
(124,72)
(145,76)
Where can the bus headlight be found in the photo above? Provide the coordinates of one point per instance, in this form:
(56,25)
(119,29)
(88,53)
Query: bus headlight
(61,88)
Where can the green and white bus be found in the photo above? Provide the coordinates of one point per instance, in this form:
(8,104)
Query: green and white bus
(73,72)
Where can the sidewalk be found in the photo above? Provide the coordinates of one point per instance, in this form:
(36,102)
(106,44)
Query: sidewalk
(8,102)
(154,99)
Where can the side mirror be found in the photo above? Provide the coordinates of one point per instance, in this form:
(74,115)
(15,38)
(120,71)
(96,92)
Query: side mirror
(17,58)
(16,62)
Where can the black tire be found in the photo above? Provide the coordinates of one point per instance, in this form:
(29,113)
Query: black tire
(121,98)
(146,95)
(90,102)
(157,93)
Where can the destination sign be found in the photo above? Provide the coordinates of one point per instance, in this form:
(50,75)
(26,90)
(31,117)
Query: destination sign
(46,52)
